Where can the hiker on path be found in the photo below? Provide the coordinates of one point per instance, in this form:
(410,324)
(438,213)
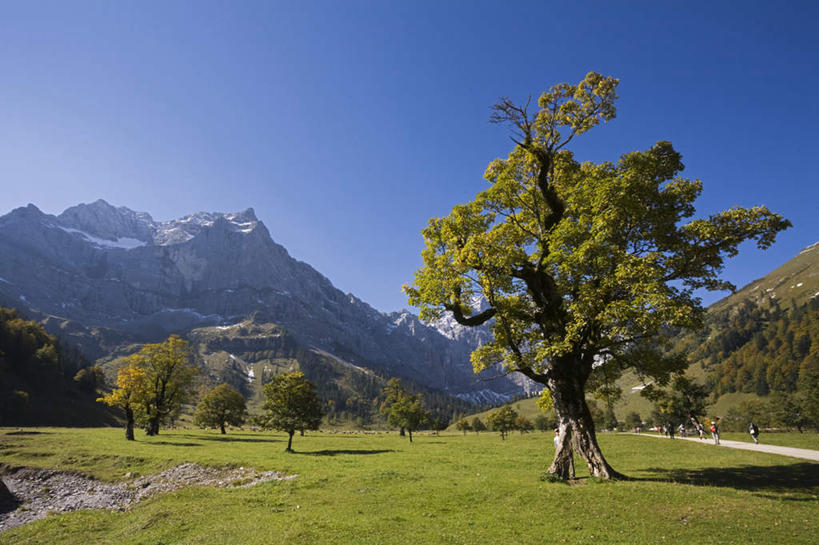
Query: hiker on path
(683,433)
(754,431)
(715,432)
(699,426)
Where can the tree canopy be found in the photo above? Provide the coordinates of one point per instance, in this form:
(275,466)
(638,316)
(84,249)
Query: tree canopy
(153,384)
(404,410)
(291,404)
(222,405)
(582,265)
(502,420)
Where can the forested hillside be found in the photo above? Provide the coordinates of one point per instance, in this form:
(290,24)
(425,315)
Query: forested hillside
(37,383)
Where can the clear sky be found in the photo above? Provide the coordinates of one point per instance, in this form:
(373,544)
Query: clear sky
(346,124)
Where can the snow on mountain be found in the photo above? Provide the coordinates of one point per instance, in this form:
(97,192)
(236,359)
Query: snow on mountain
(100,266)
(125,243)
(119,227)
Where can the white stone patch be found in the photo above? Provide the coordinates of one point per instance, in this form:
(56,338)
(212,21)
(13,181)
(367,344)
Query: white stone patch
(124,243)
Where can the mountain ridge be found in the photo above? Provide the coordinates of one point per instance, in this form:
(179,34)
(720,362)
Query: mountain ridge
(97,272)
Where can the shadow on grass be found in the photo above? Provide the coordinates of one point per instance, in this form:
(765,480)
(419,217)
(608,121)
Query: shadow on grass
(794,482)
(228,438)
(28,432)
(342,451)
(175,443)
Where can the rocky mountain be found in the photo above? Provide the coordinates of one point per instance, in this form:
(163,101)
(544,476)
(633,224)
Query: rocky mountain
(107,278)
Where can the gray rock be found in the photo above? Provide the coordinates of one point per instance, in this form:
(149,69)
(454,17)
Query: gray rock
(107,277)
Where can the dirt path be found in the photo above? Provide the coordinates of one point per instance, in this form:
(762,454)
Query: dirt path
(804,453)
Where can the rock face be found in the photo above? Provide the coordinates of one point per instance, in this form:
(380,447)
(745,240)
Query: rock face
(106,277)
(7,499)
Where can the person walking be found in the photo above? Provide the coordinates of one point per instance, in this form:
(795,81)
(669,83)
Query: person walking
(715,431)
(700,428)
(754,431)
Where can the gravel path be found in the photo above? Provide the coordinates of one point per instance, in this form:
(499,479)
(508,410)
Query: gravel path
(804,453)
(40,492)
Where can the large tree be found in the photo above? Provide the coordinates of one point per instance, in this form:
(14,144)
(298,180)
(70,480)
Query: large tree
(581,265)
(222,405)
(169,377)
(291,404)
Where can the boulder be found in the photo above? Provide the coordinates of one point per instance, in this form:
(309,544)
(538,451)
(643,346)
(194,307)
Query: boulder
(7,499)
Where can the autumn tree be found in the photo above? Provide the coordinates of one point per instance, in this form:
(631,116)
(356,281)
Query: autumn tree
(291,404)
(502,420)
(222,405)
(131,392)
(168,379)
(581,265)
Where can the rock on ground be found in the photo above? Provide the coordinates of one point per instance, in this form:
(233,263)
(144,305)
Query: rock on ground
(40,492)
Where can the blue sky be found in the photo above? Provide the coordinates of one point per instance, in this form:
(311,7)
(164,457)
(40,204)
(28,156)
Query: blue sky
(346,125)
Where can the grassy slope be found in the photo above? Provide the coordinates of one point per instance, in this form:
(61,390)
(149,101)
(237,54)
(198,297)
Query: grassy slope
(447,489)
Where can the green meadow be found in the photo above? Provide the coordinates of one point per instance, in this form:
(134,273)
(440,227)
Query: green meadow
(450,488)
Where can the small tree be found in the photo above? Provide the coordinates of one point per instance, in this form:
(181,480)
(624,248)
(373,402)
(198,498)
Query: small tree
(222,405)
(463,425)
(683,401)
(131,393)
(292,404)
(502,420)
(523,424)
(633,420)
(478,425)
(542,423)
(406,410)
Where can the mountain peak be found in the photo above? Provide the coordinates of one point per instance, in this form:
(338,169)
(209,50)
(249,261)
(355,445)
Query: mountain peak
(101,219)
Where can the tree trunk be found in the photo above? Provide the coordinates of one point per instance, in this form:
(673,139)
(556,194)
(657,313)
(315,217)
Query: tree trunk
(222,427)
(576,429)
(290,440)
(129,423)
(410,435)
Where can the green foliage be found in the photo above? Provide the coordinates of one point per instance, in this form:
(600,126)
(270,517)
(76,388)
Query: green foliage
(580,263)
(542,423)
(523,424)
(168,380)
(90,379)
(681,402)
(405,410)
(36,372)
(463,425)
(633,420)
(503,420)
(291,404)
(478,425)
(222,405)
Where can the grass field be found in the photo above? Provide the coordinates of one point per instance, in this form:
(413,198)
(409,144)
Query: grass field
(809,439)
(356,488)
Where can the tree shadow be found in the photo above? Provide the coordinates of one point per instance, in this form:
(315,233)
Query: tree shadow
(228,438)
(336,452)
(28,432)
(792,482)
(175,443)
